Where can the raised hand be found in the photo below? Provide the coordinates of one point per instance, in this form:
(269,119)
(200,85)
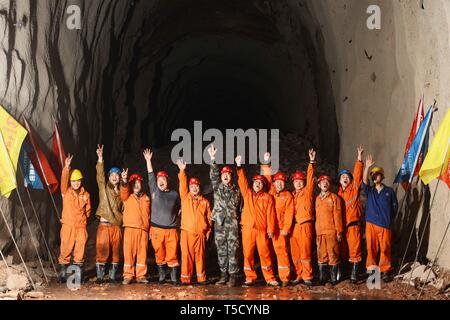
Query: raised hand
(369,161)
(266,157)
(181,164)
(124,175)
(100,152)
(312,155)
(212,152)
(148,154)
(68,160)
(360,152)
(238,160)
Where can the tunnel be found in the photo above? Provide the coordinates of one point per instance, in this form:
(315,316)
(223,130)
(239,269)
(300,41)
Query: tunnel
(131,72)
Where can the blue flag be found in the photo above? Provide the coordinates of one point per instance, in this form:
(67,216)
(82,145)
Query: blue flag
(418,148)
(31,176)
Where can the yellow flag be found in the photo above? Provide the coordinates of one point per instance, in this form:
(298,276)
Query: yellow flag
(12,135)
(436,163)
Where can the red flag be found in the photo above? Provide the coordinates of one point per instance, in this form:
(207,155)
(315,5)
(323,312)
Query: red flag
(40,162)
(57,149)
(415,127)
(446,175)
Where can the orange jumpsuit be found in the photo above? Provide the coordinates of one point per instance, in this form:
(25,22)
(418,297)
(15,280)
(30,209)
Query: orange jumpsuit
(302,235)
(258,219)
(284,209)
(76,210)
(328,225)
(351,243)
(195,228)
(136,221)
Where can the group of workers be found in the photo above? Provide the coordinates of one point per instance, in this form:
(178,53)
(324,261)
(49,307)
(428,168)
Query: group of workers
(278,223)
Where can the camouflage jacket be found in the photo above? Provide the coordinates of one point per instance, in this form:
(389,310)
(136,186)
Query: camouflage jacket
(227,200)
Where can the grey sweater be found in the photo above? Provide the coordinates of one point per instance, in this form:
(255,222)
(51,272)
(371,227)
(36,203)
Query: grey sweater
(165,205)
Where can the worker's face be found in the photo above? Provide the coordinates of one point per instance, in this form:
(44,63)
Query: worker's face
(194,189)
(137,186)
(377,178)
(324,185)
(345,180)
(279,185)
(258,185)
(114,178)
(226,178)
(75,184)
(298,184)
(162,183)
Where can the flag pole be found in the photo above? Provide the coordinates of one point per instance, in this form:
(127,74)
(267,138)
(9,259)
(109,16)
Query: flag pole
(4,260)
(42,170)
(33,239)
(51,257)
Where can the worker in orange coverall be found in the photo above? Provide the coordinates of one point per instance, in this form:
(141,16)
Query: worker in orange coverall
(284,209)
(195,227)
(136,222)
(349,191)
(258,226)
(303,233)
(329,230)
(76,211)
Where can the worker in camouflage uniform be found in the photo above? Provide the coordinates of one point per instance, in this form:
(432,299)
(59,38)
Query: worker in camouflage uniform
(227,202)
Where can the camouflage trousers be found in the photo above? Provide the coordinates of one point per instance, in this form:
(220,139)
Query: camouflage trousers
(227,243)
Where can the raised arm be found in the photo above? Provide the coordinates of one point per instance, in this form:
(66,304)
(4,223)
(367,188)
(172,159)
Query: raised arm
(148,155)
(214,173)
(242,179)
(65,174)
(101,182)
(359,167)
(124,186)
(182,178)
(369,163)
(266,171)
(310,173)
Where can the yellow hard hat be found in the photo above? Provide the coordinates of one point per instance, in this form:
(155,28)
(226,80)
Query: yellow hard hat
(376,170)
(76,175)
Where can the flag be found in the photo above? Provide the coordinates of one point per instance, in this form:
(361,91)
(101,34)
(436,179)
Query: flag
(40,161)
(30,175)
(437,161)
(12,135)
(58,150)
(406,172)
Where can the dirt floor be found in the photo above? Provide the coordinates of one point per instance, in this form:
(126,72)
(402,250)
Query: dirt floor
(343,291)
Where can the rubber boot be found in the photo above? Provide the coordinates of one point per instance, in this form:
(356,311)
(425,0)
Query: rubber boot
(174,275)
(232,282)
(323,273)
(80,265)
(354,274)
(100,268)
(223,278)
(62,273)
(162,273)
(386,277)
(334,274)
(113,272)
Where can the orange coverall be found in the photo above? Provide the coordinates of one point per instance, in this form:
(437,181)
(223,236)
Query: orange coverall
(284,209)
(136,221)
(302,235)
(380,241)
(258,219)
(195,228)
(351,244)
(76,211)
(328,225)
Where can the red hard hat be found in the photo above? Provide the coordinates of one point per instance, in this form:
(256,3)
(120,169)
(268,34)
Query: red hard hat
(162,174)
(226,169)
(324,177)
(298,175)
(280,176)
(136,176)
(258,177)
(194,181)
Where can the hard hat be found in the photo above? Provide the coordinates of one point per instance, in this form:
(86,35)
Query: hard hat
(76,175)
(194,181)
(324,177)
(345,171)
(298,175)
(162,174)
(136,176)
(258,177)
(226,169)
(376,170)
(114,170)
(280,176)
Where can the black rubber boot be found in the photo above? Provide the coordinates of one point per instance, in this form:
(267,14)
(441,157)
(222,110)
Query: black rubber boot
(80,265)
(223,278)
(100,268)
(232,282)
(355,273)
(174,276)
(62,273)
(386,277)
(334,274)
(323,273)
(162,273)
(113,272)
